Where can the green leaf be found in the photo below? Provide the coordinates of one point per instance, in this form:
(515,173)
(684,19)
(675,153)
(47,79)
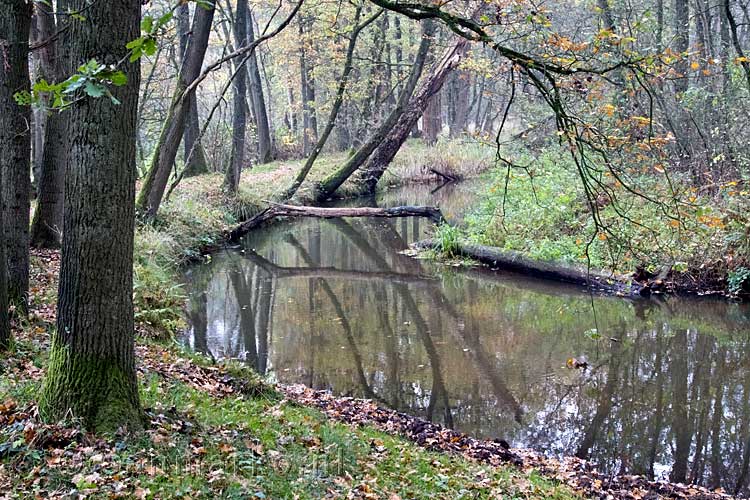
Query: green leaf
(118,78)
(94,89)
(147,24)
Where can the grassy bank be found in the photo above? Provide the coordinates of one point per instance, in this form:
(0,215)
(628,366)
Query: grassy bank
(703,234)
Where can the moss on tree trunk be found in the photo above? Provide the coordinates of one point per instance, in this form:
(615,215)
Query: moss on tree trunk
(98,390)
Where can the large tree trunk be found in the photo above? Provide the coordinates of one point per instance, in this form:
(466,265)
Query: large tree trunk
(15,144)
(239,113)
(46,227)
(331,183)
(196,163)
(373,170)
(258,100)
(91,373)
(152,192)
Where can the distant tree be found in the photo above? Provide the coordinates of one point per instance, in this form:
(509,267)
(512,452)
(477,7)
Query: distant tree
(196,162)
(152,191)
(239,113)
(91,372)
(46,226)
(15,144)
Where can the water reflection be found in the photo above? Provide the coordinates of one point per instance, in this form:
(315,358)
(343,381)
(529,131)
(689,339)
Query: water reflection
(333,304)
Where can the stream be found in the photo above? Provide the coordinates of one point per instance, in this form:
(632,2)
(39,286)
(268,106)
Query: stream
(657,387)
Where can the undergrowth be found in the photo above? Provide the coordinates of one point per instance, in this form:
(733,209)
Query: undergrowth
(542,211)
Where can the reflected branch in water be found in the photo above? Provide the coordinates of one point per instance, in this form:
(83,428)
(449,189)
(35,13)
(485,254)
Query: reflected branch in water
(475,350)
(369,393)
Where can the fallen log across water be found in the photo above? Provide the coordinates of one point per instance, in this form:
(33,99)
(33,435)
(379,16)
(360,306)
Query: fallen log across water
(279,210)
(517,262)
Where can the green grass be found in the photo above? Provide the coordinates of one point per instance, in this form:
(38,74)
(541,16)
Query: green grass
(544,213)
(242,446)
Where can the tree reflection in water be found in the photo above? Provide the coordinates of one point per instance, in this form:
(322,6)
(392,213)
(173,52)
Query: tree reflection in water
(334,304)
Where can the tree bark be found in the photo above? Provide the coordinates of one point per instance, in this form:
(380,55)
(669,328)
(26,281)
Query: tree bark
(309,120)
(197,163)
(91,373)
(369,175)
(682,43)
(331,183)
(152,191)
(4,319)
(258,100)
(239,113)
(432,120)
(46,226)
(461,104)
(15,145)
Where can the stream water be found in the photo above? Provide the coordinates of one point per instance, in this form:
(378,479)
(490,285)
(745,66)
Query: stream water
(334,304)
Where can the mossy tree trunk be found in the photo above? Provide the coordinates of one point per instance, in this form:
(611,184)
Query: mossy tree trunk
(370,173)
(91,373)
(330,184)
(15,144)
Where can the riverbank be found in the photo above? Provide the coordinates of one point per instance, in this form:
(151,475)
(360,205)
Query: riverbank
(198,215)
(701,236)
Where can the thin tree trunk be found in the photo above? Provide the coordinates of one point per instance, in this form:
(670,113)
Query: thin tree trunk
(239,114)
(461,102)
(432,120)
(682,43)
(736,40)
(369,175)
(197,163)
(91,373)
(258,100)
(335,180)
(15,145)
(46,226)
(152,191)
(309,122)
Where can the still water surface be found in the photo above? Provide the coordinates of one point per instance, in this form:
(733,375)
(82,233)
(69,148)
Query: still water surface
(334,304)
